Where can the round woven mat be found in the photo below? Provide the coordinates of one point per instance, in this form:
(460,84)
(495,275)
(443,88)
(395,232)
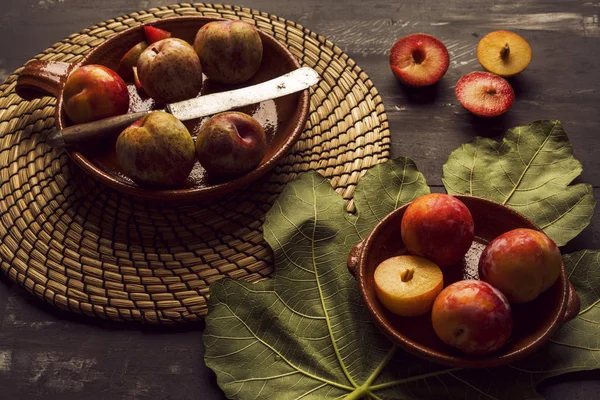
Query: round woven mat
(85,248)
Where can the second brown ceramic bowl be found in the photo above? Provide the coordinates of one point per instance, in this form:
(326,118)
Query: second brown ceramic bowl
(534,322)
(283,119)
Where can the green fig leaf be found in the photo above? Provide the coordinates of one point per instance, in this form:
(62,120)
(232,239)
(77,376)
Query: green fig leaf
(530,171)
(583,332)
(305,334)
(387,187)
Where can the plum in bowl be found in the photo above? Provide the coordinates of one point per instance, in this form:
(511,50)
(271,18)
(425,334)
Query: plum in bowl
(533,322)
(283,119)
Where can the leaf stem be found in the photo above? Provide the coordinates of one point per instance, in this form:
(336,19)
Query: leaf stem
(373,396)
(589,307)
(516,185)
(321,296)
(411,379)
(357,393)
(473,168)
(380,367)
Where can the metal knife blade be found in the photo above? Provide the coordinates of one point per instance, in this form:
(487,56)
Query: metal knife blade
(209,104)
(295,81)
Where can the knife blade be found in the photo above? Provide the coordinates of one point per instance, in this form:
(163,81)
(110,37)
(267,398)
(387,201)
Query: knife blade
(292,82)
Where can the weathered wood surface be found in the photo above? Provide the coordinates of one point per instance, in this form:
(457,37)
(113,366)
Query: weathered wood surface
(46,354)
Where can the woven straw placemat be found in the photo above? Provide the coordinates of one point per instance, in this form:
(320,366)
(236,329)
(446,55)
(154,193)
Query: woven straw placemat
(85,248)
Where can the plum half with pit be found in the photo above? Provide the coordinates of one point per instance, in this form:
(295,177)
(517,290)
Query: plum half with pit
(419,60)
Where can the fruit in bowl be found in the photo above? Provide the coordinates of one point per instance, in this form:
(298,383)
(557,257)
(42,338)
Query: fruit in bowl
(94,92)
(484,94)
(154,34)
(407,285)
(534,323)
(130,59)
(230,51)
(169,71)
(419,59)
(521,263)
(136,80)
(472,316)
(288,113)
(438,227)
(230,144)
(503,53)
(156,150)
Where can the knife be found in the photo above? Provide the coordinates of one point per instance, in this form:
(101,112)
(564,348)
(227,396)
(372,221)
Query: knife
(295,81)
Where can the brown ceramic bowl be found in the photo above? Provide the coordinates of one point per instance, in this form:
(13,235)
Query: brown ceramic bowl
(283,118)
(534,322)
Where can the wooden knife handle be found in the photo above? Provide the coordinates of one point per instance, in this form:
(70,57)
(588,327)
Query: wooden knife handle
(90,131)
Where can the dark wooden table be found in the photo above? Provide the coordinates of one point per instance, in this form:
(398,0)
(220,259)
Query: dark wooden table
(47,354)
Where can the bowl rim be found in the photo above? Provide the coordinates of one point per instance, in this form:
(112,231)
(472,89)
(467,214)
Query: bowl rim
(461,361)
(299,119)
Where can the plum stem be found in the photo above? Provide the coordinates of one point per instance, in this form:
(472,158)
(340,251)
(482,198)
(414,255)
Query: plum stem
(504,53)
(407,274)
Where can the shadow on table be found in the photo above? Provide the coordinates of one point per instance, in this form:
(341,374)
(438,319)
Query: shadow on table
(582,385)
(521,86)
(116,356)
(422,95)
(53,312)
(490,127)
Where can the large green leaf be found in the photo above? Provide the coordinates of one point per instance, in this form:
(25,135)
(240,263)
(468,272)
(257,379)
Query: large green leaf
(305,333)
(306,329)
(386,187)
(583,332)
(530,171)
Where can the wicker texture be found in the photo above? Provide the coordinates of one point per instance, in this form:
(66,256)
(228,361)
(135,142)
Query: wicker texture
(82,247)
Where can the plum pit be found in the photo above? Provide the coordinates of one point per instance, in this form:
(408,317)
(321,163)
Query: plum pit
(418,56)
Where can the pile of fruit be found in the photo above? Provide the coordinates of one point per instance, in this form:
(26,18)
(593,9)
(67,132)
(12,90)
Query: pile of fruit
(158,150)
(475,316)
(421,60)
